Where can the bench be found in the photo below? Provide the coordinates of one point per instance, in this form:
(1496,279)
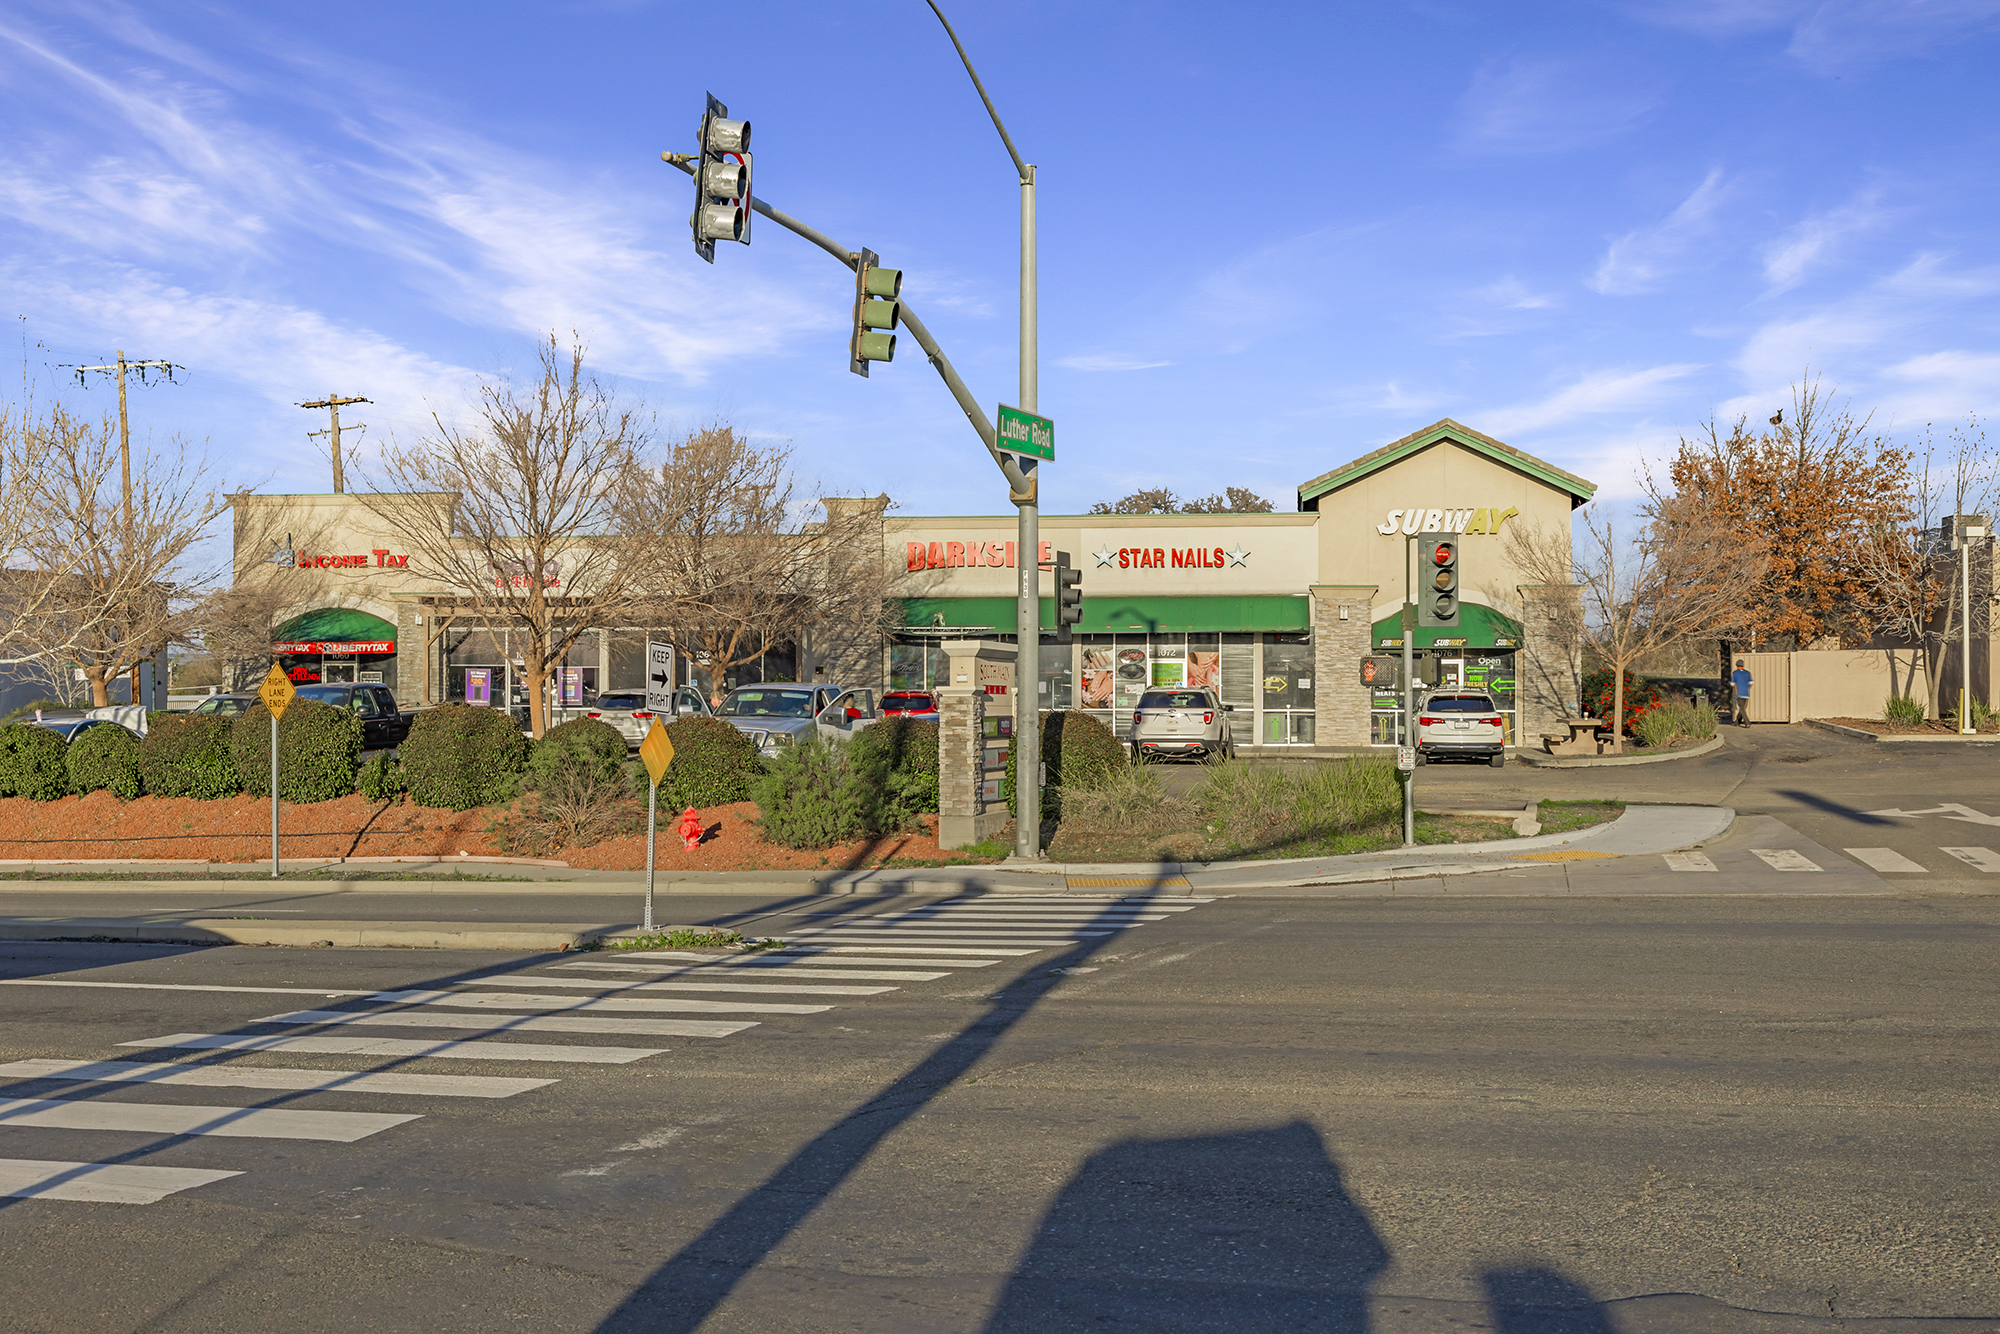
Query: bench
(1580,739)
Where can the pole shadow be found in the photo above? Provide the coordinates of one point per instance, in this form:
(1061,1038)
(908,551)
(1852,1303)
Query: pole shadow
(1542,1301)
(1246,1231)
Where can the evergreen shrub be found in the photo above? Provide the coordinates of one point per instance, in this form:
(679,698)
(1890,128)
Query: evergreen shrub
(1079,753)
(32,763)
(898,759)
(1640,696)
(319,746)
(381,777)
(460,756)
(812,796)
(188,755)
(104,757)
(714,765)
(583,743)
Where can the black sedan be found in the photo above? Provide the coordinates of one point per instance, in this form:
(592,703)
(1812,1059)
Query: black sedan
(382,723)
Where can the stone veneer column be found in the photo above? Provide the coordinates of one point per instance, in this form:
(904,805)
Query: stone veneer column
(1548,669)
(962,815)
(1340,701)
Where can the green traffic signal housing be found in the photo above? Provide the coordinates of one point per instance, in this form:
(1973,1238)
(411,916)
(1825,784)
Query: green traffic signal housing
(721,181)
(1069,597)
(876,310)
(1437,580)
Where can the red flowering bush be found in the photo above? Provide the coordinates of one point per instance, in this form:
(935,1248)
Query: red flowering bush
(1641,697)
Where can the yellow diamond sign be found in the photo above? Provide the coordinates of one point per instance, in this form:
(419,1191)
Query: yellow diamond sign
(277,691)
(656,752)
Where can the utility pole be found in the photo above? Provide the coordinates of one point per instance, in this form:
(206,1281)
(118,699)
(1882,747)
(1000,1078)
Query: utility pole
(334,403)
(119,368)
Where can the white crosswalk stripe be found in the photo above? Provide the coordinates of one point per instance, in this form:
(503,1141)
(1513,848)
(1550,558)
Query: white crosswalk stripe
(467,1049)
(99,1183)
(551,1014)
(1982,859)
(1886,860)
(1784,859)
(265,1077)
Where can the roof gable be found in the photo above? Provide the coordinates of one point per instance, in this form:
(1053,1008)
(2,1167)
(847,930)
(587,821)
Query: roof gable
(1579,490)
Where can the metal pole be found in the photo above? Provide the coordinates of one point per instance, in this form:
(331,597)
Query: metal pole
(1964,630)
(1028,605)
(1409,689)
(652,824)
(274,796)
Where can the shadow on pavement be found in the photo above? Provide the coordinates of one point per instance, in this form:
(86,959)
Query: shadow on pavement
(1541,1301)
(1252,1230)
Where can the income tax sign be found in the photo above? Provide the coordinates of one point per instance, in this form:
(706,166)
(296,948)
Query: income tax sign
(1025,433)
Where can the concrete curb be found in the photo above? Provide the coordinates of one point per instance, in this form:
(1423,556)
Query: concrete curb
(1534,761)
(1948,738)
(284,863)
(347,935)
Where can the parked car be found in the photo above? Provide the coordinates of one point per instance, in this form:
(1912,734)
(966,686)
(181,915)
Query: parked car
(1181,722)
(229,706)
(382,724)
(626,710)
(780,714)
(1463,725)
(920,704)
(70,726)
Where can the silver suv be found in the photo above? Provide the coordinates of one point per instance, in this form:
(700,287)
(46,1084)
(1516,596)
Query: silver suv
(1180,722)
(1462,724)
(780,714)
(626,710)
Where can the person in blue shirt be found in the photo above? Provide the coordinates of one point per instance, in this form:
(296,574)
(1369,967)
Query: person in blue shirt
(1741,679)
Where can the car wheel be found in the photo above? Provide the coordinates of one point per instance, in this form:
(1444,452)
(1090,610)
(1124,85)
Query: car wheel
(1498,761)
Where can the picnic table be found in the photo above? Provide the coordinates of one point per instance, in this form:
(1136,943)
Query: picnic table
(1581,738)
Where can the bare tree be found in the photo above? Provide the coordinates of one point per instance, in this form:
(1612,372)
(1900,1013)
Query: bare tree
(524,515)
(96,589)
(1907,568)
(1681,576)
(1162,500)
(236,625)
(750,563)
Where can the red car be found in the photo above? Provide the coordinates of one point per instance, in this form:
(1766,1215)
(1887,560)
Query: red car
(919,704)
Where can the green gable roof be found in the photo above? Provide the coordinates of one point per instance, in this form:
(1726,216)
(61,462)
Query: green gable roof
(1465,437)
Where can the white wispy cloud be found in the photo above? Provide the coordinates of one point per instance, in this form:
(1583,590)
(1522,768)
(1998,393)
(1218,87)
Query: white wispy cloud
(1545,104)
(1109,361)
(1831,35)
(1593,395)
(1813,240)
(1639,260)
(1510,293)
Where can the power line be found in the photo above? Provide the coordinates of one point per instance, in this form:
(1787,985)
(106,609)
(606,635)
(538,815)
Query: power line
(334,403)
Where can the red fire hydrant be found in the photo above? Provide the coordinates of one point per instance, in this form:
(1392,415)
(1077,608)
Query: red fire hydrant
(691,829)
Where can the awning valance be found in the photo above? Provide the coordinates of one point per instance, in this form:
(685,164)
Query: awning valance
(334,630)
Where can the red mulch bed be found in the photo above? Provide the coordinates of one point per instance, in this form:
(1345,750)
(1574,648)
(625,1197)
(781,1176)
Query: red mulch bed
(238,829)
(1881,727)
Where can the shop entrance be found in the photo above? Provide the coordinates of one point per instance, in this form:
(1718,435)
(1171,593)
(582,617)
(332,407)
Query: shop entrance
(337,673)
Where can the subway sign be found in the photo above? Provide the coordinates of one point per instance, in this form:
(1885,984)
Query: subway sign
(1411,522)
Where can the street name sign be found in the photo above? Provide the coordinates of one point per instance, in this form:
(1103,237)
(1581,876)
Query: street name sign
(660,678)
(1025,433)
(277,691)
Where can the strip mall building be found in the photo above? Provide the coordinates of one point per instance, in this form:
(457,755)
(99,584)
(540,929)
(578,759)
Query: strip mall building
(1274,611)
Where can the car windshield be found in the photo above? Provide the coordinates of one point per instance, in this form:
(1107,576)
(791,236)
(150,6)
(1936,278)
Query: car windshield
(763,703)
(1173,699)
(1460,704)
(621,702)
(220,706)
(894,703)
(334,695)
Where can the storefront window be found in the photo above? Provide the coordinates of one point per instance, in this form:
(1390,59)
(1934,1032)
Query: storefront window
(1287,689)
(1056,684)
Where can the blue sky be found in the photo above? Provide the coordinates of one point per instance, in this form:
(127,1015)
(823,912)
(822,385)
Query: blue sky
(1273,236)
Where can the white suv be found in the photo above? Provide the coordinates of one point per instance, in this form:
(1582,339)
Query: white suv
(1462,724)
(1180,722)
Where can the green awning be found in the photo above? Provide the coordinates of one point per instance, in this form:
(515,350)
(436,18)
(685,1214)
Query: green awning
(1107,616)
(334,630)
(1478,627)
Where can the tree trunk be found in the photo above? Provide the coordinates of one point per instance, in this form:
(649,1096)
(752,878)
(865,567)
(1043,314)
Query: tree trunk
(1618,709)
(536,670)
(100,688)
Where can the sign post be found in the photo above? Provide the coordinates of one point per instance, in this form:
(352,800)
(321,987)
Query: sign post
(276,692)
(656,752)
(1406,755)
(659,678)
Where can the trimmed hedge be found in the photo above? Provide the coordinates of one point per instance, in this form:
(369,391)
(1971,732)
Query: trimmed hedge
(1080,754)
(381,777)
(813,797)
(596,747)
(898,757)
(319,746)
(106,758)
(714,764)
(459,756)
(188,755)
(32,763)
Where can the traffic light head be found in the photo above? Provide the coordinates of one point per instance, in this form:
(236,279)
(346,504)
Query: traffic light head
(1437,580)
(722,199)
(1069,597)
(876,311)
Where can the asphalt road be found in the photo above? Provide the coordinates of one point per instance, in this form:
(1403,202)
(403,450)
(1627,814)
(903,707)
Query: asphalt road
(1662,1114)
